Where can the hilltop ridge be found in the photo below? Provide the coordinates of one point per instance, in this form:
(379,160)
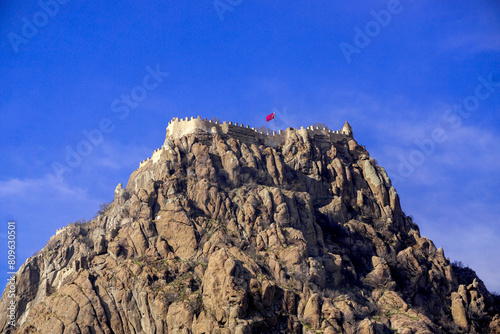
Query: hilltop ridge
(206,128)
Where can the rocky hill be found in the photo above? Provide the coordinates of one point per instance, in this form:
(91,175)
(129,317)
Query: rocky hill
(226,230)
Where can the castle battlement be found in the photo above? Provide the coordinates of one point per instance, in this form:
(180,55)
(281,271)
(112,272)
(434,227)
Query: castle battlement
(179,127)
(59,230)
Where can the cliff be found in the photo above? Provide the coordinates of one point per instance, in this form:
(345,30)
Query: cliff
(228,230)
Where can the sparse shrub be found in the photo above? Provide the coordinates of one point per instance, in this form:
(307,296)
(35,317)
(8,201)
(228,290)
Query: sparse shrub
(458,264)
(85,239)
(465,275)
(319,125)
(447,322)
(52,244)
(78,227)
(265,130)
(102,208)
(81,222)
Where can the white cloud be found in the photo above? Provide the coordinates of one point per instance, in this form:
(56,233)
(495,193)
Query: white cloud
(473,42)
(470,235)
(40,206)
(114,155)
(31,188)
(481,36)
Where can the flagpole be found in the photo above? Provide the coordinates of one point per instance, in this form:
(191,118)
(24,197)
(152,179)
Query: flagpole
(275,128)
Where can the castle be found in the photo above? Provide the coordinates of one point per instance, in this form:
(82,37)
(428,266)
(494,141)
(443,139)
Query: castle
(180,127)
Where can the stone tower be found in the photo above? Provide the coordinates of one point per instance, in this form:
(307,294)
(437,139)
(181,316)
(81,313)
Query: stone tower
(347,130)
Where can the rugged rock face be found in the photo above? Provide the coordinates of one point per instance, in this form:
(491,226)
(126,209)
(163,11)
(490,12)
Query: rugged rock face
(224,235)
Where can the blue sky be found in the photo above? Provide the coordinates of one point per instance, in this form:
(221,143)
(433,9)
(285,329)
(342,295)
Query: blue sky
(419,81)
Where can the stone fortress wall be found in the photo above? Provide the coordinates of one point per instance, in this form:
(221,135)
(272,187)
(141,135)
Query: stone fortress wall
(59,230)
(180,127)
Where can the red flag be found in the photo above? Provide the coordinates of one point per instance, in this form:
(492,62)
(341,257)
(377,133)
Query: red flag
(269,117)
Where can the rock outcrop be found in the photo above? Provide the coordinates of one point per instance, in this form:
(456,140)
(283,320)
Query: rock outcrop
(227,232)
